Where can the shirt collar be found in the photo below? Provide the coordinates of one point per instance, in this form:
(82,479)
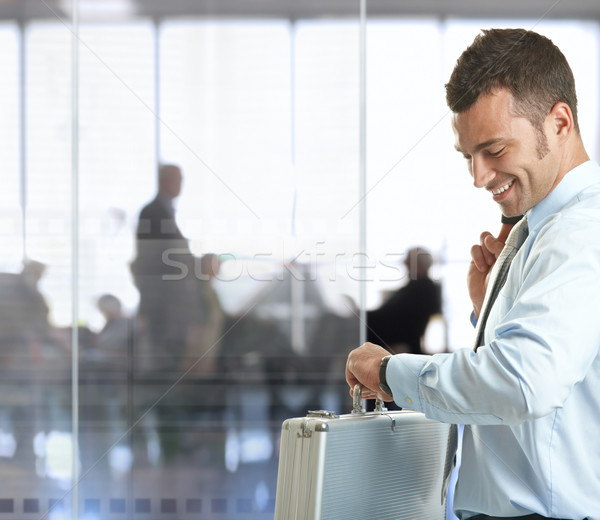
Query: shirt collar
(575,181)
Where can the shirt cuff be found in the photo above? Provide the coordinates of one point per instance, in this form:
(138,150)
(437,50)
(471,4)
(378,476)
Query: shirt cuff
(402,377)
(473,319)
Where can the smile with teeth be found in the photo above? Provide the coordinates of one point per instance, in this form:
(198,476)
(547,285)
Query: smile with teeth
(499,190)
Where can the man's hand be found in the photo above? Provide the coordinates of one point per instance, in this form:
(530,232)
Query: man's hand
(362,368)
(483,257)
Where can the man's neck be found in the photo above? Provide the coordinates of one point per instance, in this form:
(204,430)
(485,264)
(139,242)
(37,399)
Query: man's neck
(574,155)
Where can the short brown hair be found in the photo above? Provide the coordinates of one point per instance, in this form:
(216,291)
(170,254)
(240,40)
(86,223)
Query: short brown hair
(528,64)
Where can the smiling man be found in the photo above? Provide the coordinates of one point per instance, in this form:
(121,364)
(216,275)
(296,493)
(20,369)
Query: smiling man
(527,392)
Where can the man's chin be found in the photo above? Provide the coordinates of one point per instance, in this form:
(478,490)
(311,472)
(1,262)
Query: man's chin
(509,211)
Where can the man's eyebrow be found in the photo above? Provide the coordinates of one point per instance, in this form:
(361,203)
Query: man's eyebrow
(483,145)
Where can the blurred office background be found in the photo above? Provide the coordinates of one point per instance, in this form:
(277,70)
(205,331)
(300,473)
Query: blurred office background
(315,147)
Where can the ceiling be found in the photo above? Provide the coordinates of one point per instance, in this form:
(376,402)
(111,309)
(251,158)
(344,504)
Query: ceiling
(121,10)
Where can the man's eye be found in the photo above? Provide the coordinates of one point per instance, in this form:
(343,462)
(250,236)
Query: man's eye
(467,156)
(495,154)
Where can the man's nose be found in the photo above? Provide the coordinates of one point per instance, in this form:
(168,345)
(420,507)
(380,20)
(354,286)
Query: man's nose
(481,171)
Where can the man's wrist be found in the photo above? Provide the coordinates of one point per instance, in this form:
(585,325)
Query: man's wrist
(383,385)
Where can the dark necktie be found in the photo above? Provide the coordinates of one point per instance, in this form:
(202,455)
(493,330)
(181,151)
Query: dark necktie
(515,240)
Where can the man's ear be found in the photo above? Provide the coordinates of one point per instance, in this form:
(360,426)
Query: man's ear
(561,118)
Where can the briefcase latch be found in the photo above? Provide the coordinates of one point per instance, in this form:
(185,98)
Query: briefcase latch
(324,414)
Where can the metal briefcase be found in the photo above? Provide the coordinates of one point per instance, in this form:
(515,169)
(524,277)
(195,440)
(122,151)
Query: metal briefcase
(363,465)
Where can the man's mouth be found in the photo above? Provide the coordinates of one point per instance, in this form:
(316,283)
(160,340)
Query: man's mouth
(501,189)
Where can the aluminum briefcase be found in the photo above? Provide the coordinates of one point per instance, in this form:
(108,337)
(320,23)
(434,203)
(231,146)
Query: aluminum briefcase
(363,465)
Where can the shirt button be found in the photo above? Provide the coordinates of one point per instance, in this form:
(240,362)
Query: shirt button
(409,400)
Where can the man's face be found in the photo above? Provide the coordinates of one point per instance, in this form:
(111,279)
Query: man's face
(506,155)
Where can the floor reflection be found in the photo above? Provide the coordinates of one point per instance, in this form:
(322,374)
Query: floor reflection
(201,449)
(145,437)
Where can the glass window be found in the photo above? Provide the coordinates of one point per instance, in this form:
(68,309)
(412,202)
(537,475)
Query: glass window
(211,309)
(11,195)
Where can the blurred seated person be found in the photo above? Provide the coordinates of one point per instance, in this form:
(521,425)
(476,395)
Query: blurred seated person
(119,333)
(400,322)
(25,329)
(118,327)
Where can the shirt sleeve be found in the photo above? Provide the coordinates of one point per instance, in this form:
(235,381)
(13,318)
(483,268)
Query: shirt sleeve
(541,337)
(473,319)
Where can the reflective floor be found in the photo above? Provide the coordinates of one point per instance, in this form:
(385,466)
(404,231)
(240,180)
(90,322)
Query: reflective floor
(151,443)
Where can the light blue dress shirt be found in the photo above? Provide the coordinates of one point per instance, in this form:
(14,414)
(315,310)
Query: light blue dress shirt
(530,397)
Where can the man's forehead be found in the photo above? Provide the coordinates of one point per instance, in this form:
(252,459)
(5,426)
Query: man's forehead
(485,123)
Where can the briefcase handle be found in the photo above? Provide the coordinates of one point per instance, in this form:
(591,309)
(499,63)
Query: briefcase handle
(357,406)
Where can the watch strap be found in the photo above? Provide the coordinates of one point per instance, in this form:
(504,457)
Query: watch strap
(382,375)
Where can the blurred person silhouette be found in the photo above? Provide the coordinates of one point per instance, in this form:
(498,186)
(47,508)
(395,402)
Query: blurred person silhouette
(33,353)
(163,272)
(400,322)
(31,274)
(25,328)
(205,334)
(106,371)
(116,339)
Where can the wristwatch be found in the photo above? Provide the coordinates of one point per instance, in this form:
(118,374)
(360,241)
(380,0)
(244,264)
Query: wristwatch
(382,375)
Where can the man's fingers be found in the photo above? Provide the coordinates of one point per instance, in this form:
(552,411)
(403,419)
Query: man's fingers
(493,245)
(385,397)
(362,367)
(350,377)
(489,256)
(479,259)
(367,394)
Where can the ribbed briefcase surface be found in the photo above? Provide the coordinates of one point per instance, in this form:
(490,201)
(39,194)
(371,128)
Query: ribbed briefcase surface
(364,465)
